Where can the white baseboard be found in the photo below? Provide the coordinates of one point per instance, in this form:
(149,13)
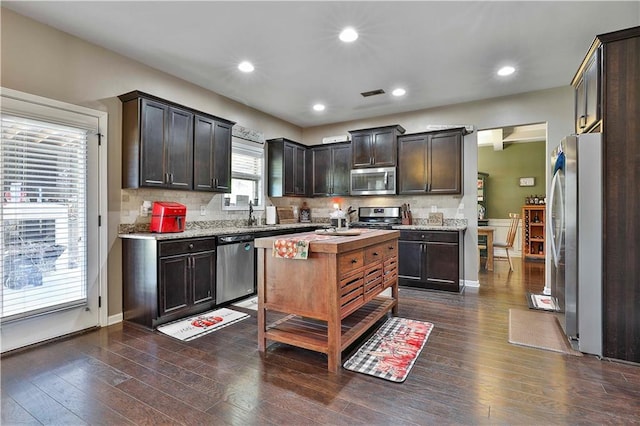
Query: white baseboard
(114,319)
(471,284)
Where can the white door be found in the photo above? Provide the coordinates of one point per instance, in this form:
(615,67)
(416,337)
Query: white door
(50,279)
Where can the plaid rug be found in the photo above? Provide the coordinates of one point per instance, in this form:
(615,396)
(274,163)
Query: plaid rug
(391,352)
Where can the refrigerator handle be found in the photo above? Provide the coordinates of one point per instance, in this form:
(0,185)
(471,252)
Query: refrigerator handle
(555,249)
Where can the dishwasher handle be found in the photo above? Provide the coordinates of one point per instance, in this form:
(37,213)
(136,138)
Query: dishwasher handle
(234,239)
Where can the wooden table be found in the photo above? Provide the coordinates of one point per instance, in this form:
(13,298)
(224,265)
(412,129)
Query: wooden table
(325,302)
(488,231)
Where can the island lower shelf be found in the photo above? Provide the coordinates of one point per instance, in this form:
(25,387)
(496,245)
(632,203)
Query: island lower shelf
(313,334)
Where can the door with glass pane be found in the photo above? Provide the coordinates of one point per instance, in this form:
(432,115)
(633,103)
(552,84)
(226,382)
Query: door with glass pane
(50,248)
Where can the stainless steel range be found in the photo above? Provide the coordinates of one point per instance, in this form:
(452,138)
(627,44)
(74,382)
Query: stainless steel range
(377,217)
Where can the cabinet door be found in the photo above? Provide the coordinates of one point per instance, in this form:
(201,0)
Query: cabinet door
(203,277)
(153,128)
(361,149)
(592,90)
(442,267)
(321,170)
(173,283)
(445,163)
(222,157)
(341,169)
(289,169)
(212,155)
(383,148)
(300,167)
(179,149)
(410,260)
(412,165)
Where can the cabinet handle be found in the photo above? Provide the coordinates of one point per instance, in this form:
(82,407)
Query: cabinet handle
(213,183)
(426,187)
(166,178)
(583,121)
(191,245)
(375,253)
(390,248)
(354,261)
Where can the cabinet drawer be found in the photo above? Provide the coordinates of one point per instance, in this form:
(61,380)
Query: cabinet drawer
(349,261)
(374,254)
(192,245)
(390,249)
(431,236)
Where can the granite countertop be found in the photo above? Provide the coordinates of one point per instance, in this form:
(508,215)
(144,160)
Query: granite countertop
(212,231)
(446,227)
(215,231)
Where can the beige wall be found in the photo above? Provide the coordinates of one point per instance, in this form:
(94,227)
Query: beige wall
(40,60)
(553,106)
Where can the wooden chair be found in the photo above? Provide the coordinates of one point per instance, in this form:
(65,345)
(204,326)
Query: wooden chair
(481,247)
(511,236)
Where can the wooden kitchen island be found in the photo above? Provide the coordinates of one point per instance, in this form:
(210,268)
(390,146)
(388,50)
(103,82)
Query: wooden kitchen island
(325,302)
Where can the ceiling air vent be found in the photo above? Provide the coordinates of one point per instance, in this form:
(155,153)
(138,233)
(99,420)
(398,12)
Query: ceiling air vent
(372,93)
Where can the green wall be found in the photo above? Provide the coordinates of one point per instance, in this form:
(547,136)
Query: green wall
(505,168)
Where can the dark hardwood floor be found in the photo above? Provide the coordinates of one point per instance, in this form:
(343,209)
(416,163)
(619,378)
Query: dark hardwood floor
(467,374)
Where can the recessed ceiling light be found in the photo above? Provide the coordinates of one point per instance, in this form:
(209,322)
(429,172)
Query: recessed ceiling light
(318,107)
(398,92)
(348,35)
(505,71)
(246,66)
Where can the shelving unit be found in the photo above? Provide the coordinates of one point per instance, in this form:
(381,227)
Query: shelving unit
(533,232)
(482,198)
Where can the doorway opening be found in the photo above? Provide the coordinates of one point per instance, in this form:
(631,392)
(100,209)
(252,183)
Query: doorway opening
(512,179)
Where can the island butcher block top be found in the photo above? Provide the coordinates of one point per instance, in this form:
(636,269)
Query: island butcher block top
(325,300)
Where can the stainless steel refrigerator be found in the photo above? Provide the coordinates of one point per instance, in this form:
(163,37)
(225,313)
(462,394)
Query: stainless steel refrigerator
(575,218)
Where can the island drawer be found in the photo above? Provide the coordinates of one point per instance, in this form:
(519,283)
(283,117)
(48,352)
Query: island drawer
(191,245)
(349,261)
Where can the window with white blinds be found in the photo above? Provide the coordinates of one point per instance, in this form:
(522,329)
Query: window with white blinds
(43,175)
(247,165)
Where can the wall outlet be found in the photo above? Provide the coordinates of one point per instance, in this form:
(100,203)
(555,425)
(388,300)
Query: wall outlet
(203,210)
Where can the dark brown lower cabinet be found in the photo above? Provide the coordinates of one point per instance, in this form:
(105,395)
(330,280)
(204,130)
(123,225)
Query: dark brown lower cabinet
(431,260)
(167,280)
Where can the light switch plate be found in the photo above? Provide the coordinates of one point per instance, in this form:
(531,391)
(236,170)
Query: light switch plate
(527,181)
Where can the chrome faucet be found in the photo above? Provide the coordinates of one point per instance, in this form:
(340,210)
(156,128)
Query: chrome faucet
(252,220)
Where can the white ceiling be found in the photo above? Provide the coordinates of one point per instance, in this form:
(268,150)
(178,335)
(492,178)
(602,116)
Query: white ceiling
(441,52)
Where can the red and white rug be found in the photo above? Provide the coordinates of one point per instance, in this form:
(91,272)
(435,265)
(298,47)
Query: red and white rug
(391,352)
(199,325)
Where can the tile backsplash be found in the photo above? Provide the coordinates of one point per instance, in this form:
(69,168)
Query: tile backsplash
(211,205)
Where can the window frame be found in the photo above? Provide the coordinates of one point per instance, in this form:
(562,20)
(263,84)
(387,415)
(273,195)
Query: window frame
(249,147)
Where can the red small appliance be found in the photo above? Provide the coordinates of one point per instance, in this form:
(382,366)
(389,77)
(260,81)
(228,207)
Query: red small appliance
(167,216)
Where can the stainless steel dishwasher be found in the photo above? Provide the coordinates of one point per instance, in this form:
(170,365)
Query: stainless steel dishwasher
(235,267)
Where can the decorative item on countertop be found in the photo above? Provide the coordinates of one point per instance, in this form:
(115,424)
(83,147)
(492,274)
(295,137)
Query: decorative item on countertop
(436,219)
(285,215)
(407,217)
(295,247)
(305,213)
(337,217)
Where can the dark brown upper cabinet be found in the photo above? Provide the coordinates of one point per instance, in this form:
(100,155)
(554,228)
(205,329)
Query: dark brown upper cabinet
(430,162)
(330,169)
(587,94)
(212,155)
(287,167)
(375,147)
(158,146)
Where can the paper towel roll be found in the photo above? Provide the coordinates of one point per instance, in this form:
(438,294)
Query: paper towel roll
(271,215)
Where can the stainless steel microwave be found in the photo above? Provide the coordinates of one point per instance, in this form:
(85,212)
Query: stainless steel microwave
(375,181)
